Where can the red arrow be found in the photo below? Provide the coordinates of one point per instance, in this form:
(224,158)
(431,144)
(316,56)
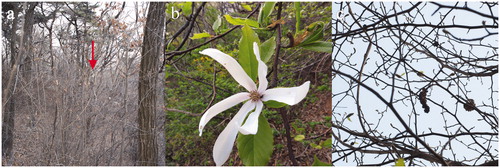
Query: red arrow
(92,61)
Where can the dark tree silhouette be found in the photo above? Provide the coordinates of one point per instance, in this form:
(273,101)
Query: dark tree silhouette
(23,54)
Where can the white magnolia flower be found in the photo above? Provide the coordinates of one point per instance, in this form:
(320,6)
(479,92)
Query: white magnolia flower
(254,100)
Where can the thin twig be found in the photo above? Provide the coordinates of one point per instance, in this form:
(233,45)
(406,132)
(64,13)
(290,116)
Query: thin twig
(274,79)
(320,135)
(197,80)
(396,113)
(214,90)
(191,24)
(172,54)
(365,57)
(182,111)
(274,84)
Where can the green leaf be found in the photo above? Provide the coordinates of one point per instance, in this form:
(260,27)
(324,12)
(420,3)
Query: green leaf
(317,162)
(300,130)
(274,104)
(200,35)
(297,16)
(267,49)
(246,56)
(256,150)
(217,24)
(241,21)
(265,11)
(349,116)
(315,33)
(299,137)
(246,7)
(252,23)
(316,146)
(319,46)
(186,8)
(400,162)
(327,143)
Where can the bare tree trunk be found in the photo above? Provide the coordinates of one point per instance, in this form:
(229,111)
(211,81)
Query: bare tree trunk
(51,47)
(151,51)
(14,36)
(27,64)
(8,92)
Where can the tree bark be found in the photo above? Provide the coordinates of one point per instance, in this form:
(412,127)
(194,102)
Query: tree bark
(27,63)
(8,96)
(151,51)
(13,36)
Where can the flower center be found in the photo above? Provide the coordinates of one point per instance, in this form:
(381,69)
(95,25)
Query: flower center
(255,96)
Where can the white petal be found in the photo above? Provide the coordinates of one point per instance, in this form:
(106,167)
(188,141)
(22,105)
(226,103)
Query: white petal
(222,106)
(290,96)
(262,69)
(252,123)
(232,66)
(225,142)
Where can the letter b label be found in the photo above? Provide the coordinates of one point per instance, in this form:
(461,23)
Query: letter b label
(175,14)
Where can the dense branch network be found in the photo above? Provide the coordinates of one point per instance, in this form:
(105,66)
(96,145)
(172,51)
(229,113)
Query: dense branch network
(433,67)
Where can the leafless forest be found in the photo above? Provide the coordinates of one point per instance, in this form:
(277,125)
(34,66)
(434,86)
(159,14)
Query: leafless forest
(57,110)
